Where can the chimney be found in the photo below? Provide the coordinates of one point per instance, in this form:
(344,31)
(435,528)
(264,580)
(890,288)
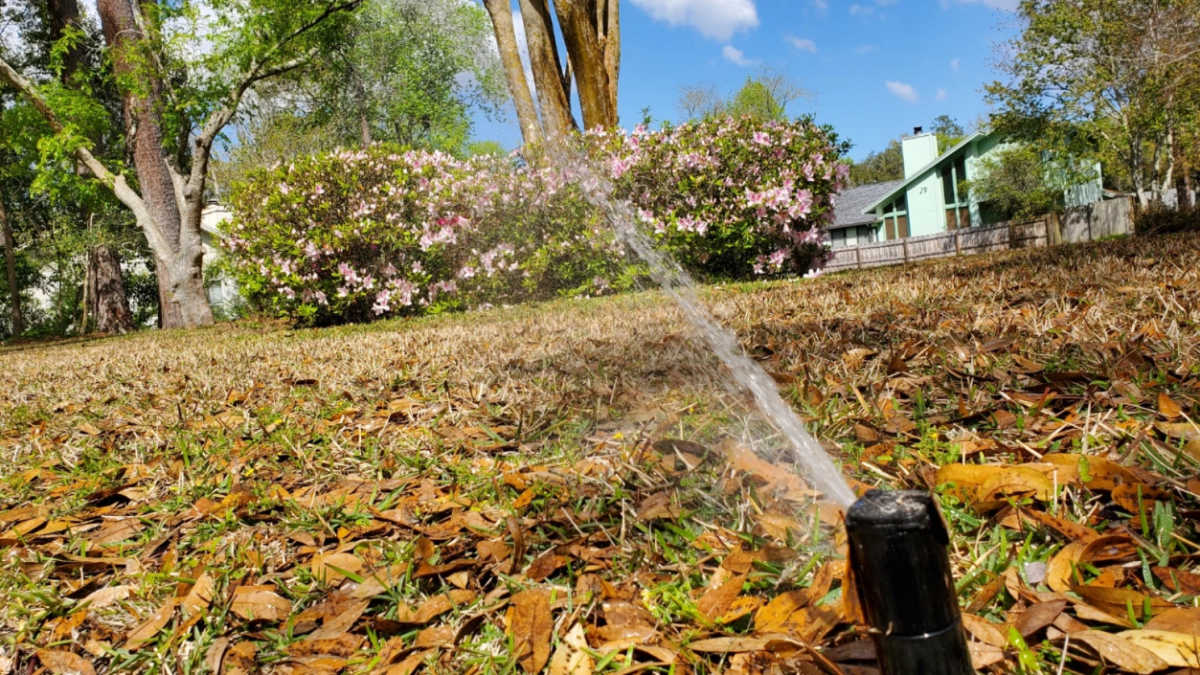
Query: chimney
(918,150)
(917,131)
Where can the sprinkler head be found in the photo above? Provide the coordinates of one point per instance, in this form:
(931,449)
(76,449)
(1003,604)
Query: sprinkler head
(898,551)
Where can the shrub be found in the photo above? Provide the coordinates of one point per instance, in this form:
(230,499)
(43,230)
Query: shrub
(355,235)
(731,197)
(1158,218)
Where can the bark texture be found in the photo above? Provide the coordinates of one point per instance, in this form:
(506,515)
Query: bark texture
(548,75)
(182,301)
(109,305)
(585,27)
(514,70)
(10,263)
(61,15)
(591,31)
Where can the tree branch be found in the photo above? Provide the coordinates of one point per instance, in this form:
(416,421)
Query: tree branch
(119,186)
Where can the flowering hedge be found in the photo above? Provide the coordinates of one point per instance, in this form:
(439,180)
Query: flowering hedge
(359,234)
(731,197)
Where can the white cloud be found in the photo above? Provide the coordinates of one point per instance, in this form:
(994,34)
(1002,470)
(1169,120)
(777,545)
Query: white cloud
(885,3)
(905,92)
(803,44)
(717,19)
(737,56)
(941,95)
(860,10)
(954,64)
(865,49)
(821,5)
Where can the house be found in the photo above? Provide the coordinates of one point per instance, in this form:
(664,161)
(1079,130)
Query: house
(222,291)
(930,198)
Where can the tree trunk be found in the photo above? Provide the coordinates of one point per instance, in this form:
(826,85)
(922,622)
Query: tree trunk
(179,269)
(514,70)
(109,304)
(64,14)
(557,119)
(609,19)
(585,44)
(10,261)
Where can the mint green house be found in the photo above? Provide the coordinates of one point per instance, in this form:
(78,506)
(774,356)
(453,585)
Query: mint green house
(929,200)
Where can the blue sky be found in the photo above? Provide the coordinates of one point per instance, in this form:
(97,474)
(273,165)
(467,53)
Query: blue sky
(877,67)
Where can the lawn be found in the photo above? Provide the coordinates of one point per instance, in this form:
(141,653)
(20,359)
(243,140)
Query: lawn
(573,488)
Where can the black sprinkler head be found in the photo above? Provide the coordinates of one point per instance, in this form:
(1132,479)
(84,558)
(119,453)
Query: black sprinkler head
(898,550)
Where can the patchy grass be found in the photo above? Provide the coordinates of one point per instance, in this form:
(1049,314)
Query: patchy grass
(565,486)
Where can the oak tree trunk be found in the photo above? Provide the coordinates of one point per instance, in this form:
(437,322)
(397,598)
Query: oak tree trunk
(182,300)
(109,303)
(514,70)
(10,262)
(64,14)
(548,74)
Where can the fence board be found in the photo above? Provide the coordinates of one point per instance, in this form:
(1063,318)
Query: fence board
(1085,223)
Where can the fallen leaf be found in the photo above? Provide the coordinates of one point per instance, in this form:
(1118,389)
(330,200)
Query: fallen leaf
(1186,431)
(200,596)
(531,626)
(984,655)
(1038,616)
(1177,620)
(1121,652)
(64,662)
(728,645)
(1167,406)
(716,601)
(1177,649)
(656,506)
(571,657)
(985,631)
(343,622)
(325,567)
(108,596)
(151,627)
(260,603)
(1117,601)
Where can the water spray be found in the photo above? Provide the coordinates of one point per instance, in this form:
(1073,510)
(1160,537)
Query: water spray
(898,550)
(898,539)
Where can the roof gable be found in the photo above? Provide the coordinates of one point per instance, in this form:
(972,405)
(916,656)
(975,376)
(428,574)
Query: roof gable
(849,211)
(902,186)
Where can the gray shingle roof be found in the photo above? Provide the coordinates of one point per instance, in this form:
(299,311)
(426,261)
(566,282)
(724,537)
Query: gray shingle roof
(850,204)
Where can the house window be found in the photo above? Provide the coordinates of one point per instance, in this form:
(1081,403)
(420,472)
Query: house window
(895,219)
(852,236)
(958,210)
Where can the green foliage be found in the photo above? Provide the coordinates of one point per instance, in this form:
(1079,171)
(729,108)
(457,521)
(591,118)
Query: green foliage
(949,132)
(1012,185)
(755,100)
(879,167)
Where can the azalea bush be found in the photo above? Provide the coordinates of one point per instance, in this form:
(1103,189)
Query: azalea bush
(358,234)
(731,197)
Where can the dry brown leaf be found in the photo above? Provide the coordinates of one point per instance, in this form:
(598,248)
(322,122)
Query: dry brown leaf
(1131,496)
(1109,548)
(531,626)
(1121,652)
(1038,616)
(65,663)
(658,505)
(151,627)
(716,601)
(985,631)
(1072,531)
(1117,601)
(729,645)
(1177,649)
(200,596)
(1167,406)
(1177,620)
(325,567)
(108,596)
(437,606)
(409,664)
(343,622)
(1185,431)
(984,655)
(260,603)
(571,657)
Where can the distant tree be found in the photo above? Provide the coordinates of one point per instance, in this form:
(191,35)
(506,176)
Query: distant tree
(183,72)
(485,148)
(949,132)
(1112,79)
(409,72)
(879,167)
(764,96)
(1012,184)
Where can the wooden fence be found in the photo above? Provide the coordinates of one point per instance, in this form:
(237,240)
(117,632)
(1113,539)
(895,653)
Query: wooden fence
(1085,223)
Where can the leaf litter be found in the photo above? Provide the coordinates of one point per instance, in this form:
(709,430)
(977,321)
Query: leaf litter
(570,489)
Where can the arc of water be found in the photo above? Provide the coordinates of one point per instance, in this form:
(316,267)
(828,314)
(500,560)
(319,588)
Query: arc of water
(681,288)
